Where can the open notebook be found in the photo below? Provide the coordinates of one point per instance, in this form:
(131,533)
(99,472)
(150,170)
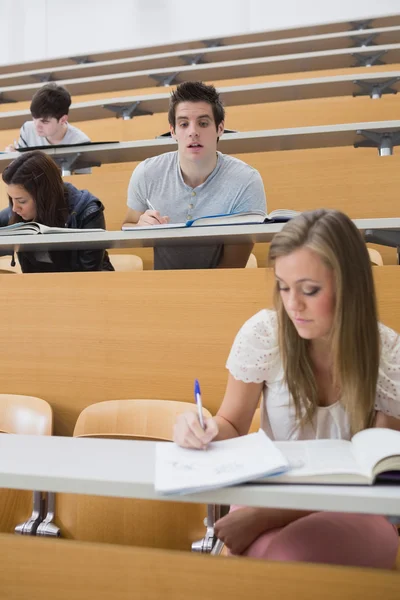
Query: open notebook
(182,470)
(371,453)
(33,228)
(255,217)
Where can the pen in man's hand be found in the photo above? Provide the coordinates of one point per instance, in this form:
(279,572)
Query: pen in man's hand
(197,398)
(149,204)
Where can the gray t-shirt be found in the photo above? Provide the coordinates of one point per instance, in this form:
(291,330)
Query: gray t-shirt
(233,186)
(28,136)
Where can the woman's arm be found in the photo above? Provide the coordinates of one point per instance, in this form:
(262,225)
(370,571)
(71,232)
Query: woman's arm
(233,418)
(237,409)
(92,260)
(382,420)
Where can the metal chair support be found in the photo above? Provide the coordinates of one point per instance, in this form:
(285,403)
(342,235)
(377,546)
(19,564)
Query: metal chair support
(30,526)
(47,527)
(128,110)
(208,543)
(384,141)
(376,89)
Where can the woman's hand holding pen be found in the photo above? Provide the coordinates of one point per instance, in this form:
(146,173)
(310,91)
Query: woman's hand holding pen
(189,433)
(152,217)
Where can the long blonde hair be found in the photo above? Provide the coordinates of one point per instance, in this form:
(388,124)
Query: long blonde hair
(354,336)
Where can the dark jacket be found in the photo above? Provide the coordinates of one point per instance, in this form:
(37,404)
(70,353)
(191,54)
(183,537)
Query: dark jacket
(85,212)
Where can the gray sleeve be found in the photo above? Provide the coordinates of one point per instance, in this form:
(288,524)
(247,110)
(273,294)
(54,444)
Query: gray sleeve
(252,196)
(23,138)
(137,190)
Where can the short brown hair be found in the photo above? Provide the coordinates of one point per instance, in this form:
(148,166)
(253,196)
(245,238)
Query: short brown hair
(50,101)
(196,91)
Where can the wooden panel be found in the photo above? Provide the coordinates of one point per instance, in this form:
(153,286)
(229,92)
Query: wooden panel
(130,522)
(42,569)
(100,336)
(15,508)
(218,83)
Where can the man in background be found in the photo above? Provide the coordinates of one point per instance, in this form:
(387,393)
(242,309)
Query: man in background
(49,126)
(195,181)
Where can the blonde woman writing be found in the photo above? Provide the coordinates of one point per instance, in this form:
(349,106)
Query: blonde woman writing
(326,369)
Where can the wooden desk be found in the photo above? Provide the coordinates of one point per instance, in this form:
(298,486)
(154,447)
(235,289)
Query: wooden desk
(294,138)
(289,63)
(180,58)
(238,95)
(43,569)
(276,34)
(121,468)
(142,238)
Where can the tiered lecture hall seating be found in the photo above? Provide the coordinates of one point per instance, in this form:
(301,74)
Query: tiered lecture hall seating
(74,356)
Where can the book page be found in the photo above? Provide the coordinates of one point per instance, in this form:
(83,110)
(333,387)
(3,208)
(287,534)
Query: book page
(244,218)
(320,457)
(160,226)
(373,445)
(181,470)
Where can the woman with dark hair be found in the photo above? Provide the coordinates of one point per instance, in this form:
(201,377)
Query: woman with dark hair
(37,192)
(326,369)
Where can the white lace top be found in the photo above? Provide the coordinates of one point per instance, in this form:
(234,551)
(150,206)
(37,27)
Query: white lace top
(255,358)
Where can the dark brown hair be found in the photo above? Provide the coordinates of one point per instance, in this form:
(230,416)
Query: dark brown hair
(39,175)
(196,91)
(355,342)
(50,101)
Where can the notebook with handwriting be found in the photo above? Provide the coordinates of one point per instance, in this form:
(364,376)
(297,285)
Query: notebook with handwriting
(181,470)
(255,217)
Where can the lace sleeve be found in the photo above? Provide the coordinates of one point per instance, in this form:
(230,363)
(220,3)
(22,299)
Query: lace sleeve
(388,387)
(254,356)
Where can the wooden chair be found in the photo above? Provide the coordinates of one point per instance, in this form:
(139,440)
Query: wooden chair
(126,521)
(26,415)
(126,262)
(252,262)
(375,257)
(5,265)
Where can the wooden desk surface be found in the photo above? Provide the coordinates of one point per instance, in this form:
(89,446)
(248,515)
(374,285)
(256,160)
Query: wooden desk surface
(257,93)
(270,140)
(229,69)
(180,58)
(126,469)
(140,238)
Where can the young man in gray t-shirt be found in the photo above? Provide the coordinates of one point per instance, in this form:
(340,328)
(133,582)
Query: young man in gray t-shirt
(195,181)
(49,126)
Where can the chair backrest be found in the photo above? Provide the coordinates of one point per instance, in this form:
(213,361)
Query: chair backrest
(134,419)
(375,257)
(252,262)
(126,262)
(25,415)
(5,265)
(124,520)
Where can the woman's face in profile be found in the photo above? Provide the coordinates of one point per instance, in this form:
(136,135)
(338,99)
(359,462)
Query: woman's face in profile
(307,289)
(22,202)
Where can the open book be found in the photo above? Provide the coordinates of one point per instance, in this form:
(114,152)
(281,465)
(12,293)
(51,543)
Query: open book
(242,218)
(371,453)
(32,228)
(182,470)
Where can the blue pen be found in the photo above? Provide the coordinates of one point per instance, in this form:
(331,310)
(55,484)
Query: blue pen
(197,398)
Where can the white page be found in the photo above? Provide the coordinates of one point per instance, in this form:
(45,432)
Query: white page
(160,226)
(372,445)
(181,470)
(321,457)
